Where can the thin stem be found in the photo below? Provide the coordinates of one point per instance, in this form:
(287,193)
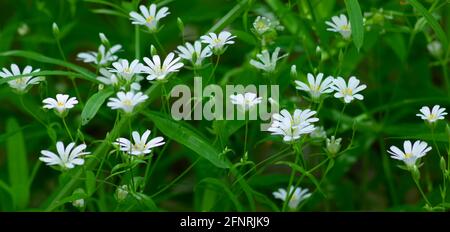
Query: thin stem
(421,191)
(434,141)
(158,43)
(291,179)
(137,43)
(339,120)
(246,134)
(29,112)
(175,180)
(67,128)
(214,69)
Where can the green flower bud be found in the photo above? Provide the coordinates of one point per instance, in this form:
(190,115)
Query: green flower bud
(55,29)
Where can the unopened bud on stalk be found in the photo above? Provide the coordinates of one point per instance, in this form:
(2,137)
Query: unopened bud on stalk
(55,29)
(104,40)
(333,145)
(78,203)
(153,50)
(122,193)
(443,164)
(180,25)
(293,71)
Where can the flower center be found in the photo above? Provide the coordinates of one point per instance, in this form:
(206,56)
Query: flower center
(347,91)
(408,155)
(20,81)
(60,104)
(345,27)
(127,102)
(217,41)
(314,88)
(432,117)
(139,146)
(127,70)
(149,19)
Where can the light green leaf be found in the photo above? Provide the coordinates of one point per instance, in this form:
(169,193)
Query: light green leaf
(432,22)
(93,105)
(186,136)
(356,21)
(44,59)
(17,165)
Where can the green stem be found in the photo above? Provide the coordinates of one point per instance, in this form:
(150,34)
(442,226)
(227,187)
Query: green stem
(137,43)
(175,180)
(246,134)
(339,120)
(158,43)
(421,191)
(67,128)
(434,141)
(29,112)
(291,179)
(214,69)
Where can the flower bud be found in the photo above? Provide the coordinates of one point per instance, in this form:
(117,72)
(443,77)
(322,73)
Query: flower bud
(122,193)
(333,145)
(435,48)
(293,71)
(55,29)
(153,50)
(78,203)
(180,25)
(443,164)
(104,40)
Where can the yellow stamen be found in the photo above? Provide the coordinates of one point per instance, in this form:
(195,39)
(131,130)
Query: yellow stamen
(149,19)
(347,91)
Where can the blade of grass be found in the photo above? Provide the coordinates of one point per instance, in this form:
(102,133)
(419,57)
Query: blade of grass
(17,165)
(356,22)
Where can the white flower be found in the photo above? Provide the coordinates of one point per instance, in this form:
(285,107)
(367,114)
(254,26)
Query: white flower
(158,71)
(432,115)
(315,86)
(341,25)
(410,153)
(78,203)
(101,57)
(246,101)
(350,91)
(298,195)
(61,103)
(22,83)
(217,42)
(67,157)
(108,78)
(292,127)
(194,53)
(262,24)
(140,145)
(126,101)
(266,62)
(435,48)
(126,70)
(149,17)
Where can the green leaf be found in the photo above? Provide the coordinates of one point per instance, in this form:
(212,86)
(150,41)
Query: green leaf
(186,136)
(93,105)
(356,21)
(43,73)
(44,59)
(223,189)
(303,172)
(90,182)
(17,165)
(230,16)
(432,22)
